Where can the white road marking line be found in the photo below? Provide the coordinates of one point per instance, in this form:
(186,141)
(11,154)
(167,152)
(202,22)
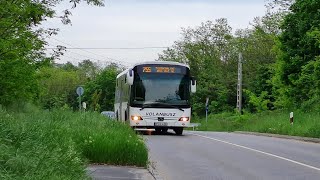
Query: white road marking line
(114,177)
(92,175)
(251,149)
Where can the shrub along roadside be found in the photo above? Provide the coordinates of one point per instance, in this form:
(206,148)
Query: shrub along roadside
(277,122)
(59,144)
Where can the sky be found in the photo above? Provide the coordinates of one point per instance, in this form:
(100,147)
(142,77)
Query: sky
(123,24)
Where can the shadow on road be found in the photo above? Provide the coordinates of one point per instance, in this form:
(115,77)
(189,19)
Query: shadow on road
(152,132)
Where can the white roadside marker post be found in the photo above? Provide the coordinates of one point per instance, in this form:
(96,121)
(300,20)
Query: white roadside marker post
(291,118)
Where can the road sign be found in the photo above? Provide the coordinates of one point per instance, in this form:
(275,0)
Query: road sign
(84,105)
(80,90)
(207,101)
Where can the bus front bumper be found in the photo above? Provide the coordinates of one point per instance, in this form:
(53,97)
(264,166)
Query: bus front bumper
(158,124)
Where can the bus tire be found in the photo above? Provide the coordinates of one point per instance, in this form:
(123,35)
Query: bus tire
(117,116)
(126,115)
(178,130)
(164,130)
(158,130)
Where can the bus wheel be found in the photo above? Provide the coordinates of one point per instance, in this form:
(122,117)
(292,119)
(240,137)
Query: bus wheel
(164,130)
(158,130)
(178,130)
(117,116)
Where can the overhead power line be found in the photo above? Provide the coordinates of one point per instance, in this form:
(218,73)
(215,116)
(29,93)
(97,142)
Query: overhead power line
(85,56)
(113,48)
(76,59)
(84,50)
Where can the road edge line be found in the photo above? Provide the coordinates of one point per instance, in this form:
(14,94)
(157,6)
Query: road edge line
(298,138)
(153,171)
(258,151)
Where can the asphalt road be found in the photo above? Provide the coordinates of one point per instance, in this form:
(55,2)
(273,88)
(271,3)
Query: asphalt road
(213,155)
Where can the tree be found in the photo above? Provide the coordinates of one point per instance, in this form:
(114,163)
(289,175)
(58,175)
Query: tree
(99,92)
(210,53)
(211,50)
(19,50)
(58,87)
(22,45)
(69,67)
(298,51)
(256,45)
(88,69)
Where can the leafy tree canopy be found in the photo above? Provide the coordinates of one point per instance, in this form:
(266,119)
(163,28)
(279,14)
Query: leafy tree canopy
(299,48)
(22,44)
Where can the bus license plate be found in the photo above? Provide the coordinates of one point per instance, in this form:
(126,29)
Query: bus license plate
(160,124)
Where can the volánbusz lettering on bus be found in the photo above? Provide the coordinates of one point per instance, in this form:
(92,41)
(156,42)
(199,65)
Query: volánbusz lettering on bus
(160,114)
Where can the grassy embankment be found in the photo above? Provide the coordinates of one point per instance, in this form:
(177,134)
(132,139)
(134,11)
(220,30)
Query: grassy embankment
(59,144)
(277,122)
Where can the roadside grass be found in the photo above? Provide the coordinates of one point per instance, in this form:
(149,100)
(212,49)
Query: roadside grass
(107,141)
(59,144)
(306,124)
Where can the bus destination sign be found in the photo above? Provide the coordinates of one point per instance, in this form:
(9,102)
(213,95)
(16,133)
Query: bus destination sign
(160,69)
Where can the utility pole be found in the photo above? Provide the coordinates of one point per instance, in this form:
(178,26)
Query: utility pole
(239,85)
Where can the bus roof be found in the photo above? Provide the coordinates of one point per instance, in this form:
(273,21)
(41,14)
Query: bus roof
(122,73)
(161,62)
(153,62)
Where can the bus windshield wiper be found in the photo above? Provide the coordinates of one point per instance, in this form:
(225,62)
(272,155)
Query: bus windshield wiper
(148,104)
(145,105)
(170,105)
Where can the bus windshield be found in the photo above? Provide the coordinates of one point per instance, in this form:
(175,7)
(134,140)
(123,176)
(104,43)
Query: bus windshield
(171,89)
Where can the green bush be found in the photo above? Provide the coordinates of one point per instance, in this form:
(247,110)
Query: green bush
(105,141)
(32,149)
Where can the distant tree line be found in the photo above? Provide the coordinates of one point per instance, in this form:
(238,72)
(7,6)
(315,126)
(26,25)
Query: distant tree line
(28,75)
(59,82)
(281,67)
(281,59)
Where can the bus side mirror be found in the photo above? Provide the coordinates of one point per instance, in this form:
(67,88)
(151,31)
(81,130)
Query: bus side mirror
(193,85)
(130,77)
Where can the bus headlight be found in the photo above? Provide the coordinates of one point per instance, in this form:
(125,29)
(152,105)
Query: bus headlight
(136,118)
(184,119)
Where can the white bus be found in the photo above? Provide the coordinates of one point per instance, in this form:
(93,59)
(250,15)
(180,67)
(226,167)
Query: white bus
(155,95)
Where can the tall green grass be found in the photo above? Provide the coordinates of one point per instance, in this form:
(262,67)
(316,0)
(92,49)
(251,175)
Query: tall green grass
(59,144)
(277,122)
(106,141)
